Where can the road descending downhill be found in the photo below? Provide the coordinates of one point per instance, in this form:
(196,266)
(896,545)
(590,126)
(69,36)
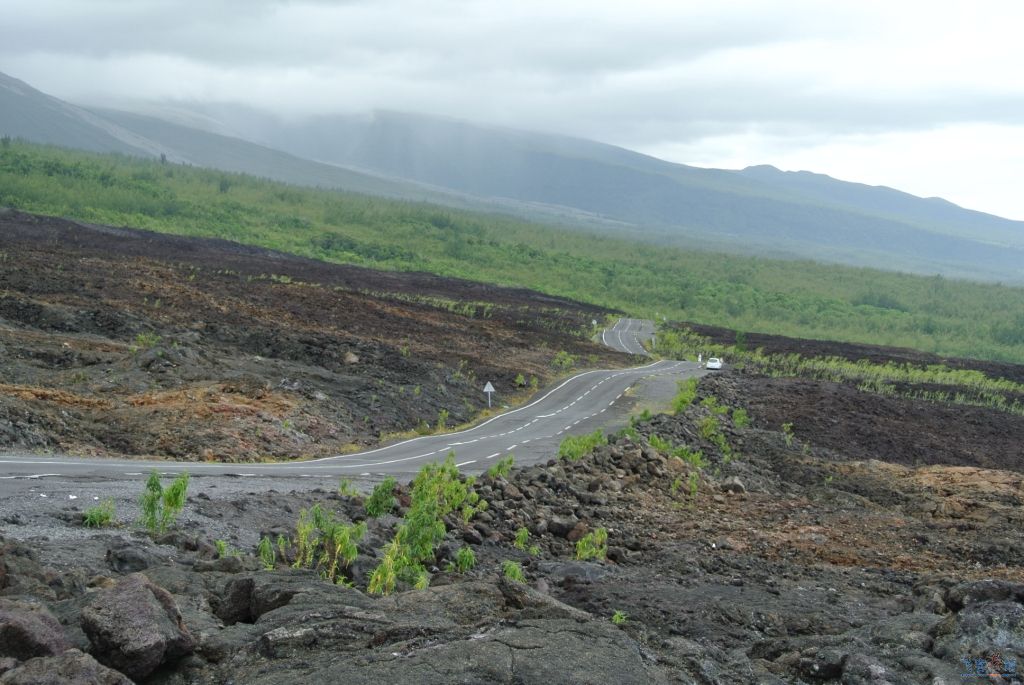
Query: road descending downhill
(531,433)
(628,335)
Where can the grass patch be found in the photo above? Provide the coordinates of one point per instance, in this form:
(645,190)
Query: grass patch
(593,545)
(513,571)
(686,395)
(382,500)
(575,446)
(99,516)
(502,467)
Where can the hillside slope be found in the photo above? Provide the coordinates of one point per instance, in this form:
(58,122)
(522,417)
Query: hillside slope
(757,209)
(29,114)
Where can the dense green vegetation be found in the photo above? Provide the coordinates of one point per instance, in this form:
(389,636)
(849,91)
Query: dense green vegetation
(933,382)
(796,298)
(437,490)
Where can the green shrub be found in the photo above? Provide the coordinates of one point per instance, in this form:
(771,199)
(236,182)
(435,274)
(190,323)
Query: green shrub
(100,515)
(686,395)
(787,434)
(513,571)
(711,403)
(629,432)
(575,446)
(522,537)
(346,489)
(593,545)
(147,340)
(382,500)
(160,506)
(473,504)
(265,551)
(619,617)
(465,560)
(711,430)
(225,550)
(563,360)
(437,491)
(502,467)
(324,543)
(659,443)
(740,418)
(442,420)
(694,458)
(174,500)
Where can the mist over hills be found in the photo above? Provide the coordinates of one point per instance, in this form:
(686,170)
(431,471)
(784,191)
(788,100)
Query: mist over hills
(582,183)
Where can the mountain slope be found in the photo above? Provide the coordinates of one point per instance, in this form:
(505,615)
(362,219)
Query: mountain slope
(580,183)
(760,208)
(27,113)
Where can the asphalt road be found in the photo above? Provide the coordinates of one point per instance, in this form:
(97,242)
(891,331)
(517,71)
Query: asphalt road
(628,334)
(580,404)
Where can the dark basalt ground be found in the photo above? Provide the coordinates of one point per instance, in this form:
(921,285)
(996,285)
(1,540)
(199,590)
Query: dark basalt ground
(125,342)
(879,543)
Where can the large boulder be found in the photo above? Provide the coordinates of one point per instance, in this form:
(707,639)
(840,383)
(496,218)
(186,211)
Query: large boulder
(125,556)
(564,651)
(29,630)
(469,632)
(70,668)
(135,627)
(21,573)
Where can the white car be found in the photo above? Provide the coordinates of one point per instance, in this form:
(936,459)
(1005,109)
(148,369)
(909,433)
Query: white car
(714,363)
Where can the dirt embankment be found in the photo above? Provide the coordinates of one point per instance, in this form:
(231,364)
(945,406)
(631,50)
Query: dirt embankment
(119,341)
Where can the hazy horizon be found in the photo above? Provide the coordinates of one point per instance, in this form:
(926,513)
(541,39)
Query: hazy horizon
(921,97)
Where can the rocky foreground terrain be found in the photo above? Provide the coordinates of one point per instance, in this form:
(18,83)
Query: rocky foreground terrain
(875,539)
(830,553)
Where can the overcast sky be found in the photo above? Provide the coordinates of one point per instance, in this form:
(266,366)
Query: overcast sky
(924,96)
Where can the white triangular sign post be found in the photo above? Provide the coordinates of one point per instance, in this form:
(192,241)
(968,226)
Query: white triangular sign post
(488,389)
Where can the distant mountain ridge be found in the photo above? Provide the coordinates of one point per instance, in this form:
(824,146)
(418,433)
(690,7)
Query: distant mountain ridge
(27,113)
(758,210)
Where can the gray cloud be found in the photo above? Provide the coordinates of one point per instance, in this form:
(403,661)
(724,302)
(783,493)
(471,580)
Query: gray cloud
(643,74)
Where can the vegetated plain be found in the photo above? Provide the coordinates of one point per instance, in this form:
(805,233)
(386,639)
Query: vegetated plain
(797,298)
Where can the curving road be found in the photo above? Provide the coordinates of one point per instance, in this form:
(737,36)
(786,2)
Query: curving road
(532,433)
(628,334)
